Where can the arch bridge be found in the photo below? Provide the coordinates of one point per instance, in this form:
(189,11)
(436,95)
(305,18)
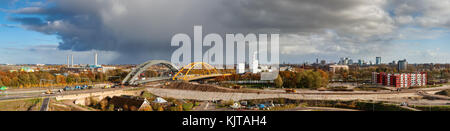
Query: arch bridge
(207,71)
(184,74)
(132,77)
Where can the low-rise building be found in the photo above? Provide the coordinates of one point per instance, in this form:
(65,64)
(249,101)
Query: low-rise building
(334,68)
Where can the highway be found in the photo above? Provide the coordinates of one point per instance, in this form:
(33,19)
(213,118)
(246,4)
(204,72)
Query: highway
(45,104)
(19,94)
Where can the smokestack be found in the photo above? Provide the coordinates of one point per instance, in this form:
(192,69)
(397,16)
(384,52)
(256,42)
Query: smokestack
(68,61)
(96,58)
(72,59)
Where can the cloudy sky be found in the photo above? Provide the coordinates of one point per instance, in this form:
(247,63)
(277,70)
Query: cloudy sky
(133,31)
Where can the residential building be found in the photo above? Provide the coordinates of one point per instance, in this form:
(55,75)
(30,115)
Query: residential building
(400,80)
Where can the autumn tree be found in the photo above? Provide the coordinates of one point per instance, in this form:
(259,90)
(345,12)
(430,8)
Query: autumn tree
(278,82)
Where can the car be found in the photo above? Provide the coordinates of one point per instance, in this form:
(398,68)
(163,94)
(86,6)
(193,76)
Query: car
(84,87)
(403,104)
(77,87)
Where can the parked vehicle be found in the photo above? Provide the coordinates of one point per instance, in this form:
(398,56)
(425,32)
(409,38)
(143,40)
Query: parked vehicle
(84,87)
(77,87)
(117,86)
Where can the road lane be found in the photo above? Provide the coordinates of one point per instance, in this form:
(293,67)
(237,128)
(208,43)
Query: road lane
(45,104)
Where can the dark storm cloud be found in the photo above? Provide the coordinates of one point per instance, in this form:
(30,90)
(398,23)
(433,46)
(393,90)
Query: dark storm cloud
(29,21)
(141,29)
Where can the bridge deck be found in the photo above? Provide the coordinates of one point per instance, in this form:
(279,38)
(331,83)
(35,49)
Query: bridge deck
(204,77)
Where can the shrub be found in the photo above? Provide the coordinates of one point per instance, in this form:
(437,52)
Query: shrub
(187,106)
(111,107)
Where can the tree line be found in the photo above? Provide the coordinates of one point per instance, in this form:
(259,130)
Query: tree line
(302,79)
(55,78)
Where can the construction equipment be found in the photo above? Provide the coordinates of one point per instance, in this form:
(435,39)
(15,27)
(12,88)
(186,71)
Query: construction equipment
(290,91)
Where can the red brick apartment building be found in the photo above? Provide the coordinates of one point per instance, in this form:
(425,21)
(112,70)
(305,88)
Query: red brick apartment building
(400,80)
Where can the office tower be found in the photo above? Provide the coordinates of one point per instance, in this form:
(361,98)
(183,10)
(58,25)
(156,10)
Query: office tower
(402,65)
(378,61)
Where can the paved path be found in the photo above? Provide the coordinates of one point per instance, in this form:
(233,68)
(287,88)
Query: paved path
(45,104)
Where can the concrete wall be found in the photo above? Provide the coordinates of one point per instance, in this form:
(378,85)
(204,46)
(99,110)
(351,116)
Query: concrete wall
(84,99)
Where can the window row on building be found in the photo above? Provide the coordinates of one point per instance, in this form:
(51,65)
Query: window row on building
(400,80)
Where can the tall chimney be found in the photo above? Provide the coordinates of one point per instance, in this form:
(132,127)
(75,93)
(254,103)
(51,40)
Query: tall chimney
(72,59)
(68,61)
(96,58)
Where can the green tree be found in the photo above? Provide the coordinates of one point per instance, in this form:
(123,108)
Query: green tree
(279,82)
(310,79)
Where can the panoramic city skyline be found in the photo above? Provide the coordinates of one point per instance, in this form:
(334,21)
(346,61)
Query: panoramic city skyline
(46,31)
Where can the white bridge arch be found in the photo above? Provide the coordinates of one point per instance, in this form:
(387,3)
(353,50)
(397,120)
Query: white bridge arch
(130,79)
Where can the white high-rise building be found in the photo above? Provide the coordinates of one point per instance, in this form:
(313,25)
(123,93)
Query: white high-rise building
(240,68)
(255,64)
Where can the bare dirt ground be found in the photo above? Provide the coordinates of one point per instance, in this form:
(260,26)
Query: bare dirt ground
(201,95)
(74,107)
(32,104)
(319,109)
(207,88)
